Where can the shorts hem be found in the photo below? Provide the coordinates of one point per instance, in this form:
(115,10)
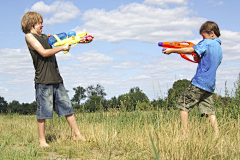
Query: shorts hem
(44,117)
(65,114)
(182,108)
(206,114)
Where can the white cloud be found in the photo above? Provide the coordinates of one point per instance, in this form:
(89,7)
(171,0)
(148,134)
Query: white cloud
(2,89)
(126,64)
(60,11)
(125,52)
(15,61)
(61,56)
(164,3)
(167,65)
(93,59)
(230,45)
(140,22)
(215,2)
(42,8)
(17,72)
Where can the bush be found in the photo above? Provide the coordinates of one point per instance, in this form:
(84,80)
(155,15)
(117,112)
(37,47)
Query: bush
(143,106)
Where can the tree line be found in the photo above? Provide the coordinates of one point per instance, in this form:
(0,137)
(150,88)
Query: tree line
(92,99)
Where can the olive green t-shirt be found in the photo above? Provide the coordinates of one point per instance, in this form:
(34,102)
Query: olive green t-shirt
(46,68)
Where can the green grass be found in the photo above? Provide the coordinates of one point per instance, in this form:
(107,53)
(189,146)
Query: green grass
(122,135)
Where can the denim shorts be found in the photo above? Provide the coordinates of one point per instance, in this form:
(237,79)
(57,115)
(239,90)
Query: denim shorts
(51,97)
(195,96)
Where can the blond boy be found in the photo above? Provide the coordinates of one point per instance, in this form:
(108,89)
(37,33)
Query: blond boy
(50,91)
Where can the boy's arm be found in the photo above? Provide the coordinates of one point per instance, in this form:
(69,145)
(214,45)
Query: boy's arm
(36,45)
(179,50)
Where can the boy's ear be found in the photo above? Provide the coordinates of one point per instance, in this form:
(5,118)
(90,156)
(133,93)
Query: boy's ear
(212,34)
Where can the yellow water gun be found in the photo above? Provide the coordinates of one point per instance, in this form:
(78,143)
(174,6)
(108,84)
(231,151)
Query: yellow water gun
(73,38)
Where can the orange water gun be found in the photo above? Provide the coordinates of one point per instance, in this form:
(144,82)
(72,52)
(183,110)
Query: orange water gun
(182,44)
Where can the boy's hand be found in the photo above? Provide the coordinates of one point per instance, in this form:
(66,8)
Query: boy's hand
(49,35)
(167,51)
(88,40)
(195,57)
(66,47)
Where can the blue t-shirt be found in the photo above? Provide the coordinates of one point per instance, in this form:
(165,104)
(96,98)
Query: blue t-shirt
(210,53)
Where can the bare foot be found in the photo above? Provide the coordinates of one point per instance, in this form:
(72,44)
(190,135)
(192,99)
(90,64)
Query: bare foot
(78,137)
(43,144)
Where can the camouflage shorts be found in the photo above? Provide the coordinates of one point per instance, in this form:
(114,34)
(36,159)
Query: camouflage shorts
(195,96)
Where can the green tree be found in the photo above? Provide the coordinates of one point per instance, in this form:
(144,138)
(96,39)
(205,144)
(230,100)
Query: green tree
(14,107)
(28,108)
(158,103)
(176,91)
(98,90)
(94,103)
(130,100)
(114,102)
(3,105)
(33,107)
(79,94)
(135,89)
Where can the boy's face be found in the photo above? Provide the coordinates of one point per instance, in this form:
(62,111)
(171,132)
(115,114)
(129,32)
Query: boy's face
(38,27)
(205,35)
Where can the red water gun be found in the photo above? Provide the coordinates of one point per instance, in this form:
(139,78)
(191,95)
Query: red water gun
(182,44)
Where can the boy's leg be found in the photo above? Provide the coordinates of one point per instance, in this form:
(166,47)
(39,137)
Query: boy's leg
(186,102)
(76,133)
(206,108)
(41,131)
(44,96)
(63,107)
(213,121)
(184,119)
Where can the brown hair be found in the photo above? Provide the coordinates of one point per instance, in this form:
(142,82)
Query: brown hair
(29,20)
(210,26)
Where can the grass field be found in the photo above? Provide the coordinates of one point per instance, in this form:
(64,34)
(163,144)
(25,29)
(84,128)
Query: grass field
(121,135)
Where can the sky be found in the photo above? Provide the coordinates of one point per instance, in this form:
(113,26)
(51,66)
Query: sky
(125,52)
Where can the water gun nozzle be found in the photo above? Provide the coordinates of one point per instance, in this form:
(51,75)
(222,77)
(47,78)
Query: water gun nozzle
(160,44)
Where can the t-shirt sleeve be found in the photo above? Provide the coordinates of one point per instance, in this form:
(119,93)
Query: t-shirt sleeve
(200,48)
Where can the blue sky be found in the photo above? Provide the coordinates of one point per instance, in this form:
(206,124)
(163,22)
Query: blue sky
(124,53)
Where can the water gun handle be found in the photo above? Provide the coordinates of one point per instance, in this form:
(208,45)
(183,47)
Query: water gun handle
(70,46)
(185,57)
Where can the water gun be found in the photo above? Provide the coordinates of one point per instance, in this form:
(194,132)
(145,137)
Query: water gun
(72,38)
(182,44)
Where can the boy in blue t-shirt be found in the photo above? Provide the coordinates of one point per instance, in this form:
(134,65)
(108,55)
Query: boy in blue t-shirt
(202,87)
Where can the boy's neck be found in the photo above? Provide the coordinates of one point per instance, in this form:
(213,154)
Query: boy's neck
(214,36)
(34,32)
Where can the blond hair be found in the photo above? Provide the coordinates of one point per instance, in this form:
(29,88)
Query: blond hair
(210,26)
(29,20)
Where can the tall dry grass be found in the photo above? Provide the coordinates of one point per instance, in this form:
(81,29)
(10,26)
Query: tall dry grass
(122,135)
